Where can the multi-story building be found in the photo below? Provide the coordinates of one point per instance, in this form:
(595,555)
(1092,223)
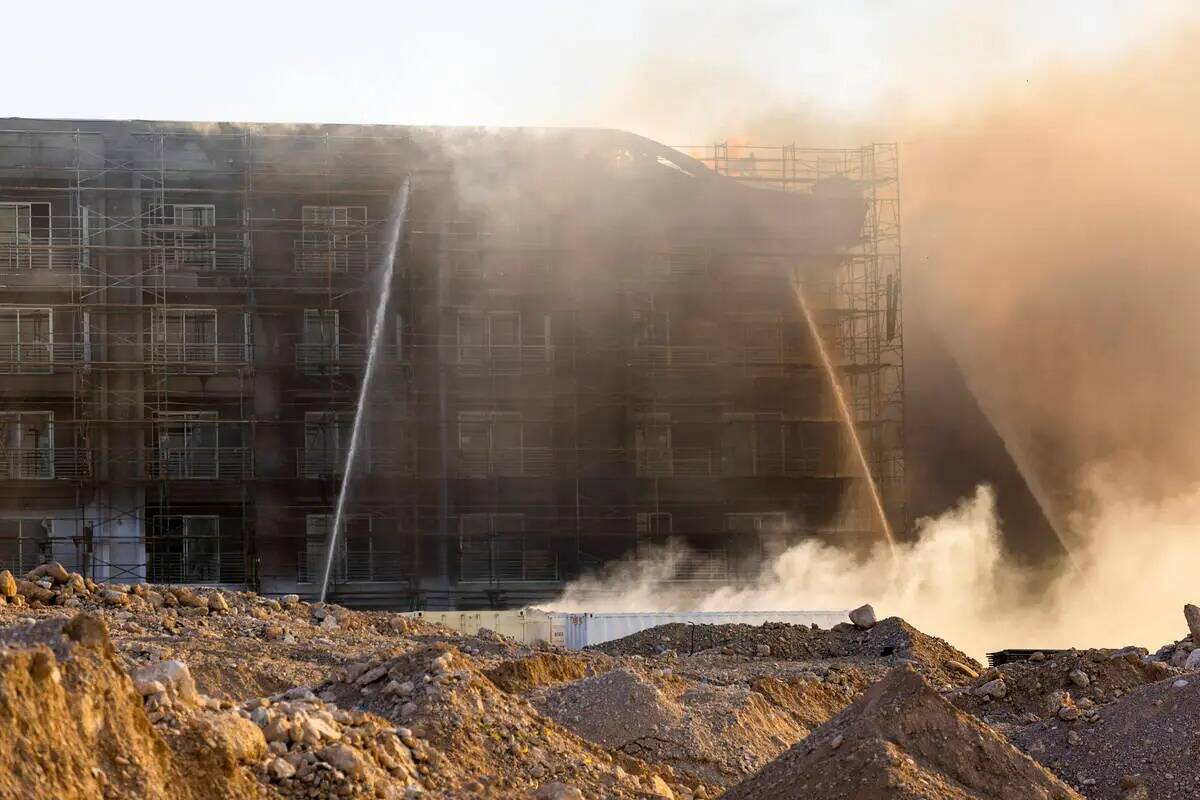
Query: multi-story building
(593,347)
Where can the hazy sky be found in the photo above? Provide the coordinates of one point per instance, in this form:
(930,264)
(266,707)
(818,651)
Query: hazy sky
(666,69)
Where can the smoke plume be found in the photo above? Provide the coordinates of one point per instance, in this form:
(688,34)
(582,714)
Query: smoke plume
(1050,248)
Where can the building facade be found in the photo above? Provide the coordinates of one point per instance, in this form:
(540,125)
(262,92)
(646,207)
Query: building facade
(593,348)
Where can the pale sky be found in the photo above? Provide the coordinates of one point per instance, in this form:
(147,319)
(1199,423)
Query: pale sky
(664,69)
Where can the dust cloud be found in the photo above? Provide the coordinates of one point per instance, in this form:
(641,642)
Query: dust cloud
(1050,246)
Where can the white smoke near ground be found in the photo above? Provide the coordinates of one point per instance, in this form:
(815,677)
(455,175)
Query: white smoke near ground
(954,580)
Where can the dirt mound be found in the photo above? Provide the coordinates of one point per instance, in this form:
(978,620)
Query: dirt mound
(75,726)
(902,740)
(481,741)
(892,641)
(1150,733)
(712,735)
(542,669)
(1031,690)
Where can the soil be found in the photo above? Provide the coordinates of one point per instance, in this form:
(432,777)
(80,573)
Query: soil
(902,740)
(1153,733)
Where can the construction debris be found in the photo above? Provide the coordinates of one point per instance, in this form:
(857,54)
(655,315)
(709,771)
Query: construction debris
(115,691)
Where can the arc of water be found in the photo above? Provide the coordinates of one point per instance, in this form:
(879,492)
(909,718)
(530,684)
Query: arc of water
(839,395)
(387,269)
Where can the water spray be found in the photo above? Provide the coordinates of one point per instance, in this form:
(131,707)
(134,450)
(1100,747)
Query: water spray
(385,291)
(843,406)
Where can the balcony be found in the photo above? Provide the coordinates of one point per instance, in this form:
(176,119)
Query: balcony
(61,463)
(322,258)
(506,359)
(41,358)
(329,463)
(678,462)
(528,462)
(199,359)
(174,248)
(199,463)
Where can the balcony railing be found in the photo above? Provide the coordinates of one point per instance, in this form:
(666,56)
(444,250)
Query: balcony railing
(531,462)
(40,357)
(62,252)
(325,463)
(191,249)
(506,359)
(211,463)
(199,359)
(312,257)
(63,463)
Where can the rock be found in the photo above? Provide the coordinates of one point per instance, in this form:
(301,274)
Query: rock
(278,769)
(238,736)
(1068,713)
(32,592)
(343,757)
(994,689)
(114,598)
(1179,684)
(175,676)
(863,617)
(217,602)
(1073,737)
(155,599)
(1193,660)
(57,573)
(1037,657)
(659,788)
(1191,613)
(314,730)
(557,791)
(189,599)
(145,688)
(372,675)
(763,650)
(276,728)
(1079,678)
(961,668)
(8,585)
(329,623)
(77,584)
(289,600)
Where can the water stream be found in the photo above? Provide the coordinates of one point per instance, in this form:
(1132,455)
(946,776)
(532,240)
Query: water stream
(395,235)
(839,394)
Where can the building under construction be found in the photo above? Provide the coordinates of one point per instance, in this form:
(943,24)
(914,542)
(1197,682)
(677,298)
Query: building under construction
(593,348)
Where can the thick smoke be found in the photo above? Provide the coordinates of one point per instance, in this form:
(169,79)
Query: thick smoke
(1050,242)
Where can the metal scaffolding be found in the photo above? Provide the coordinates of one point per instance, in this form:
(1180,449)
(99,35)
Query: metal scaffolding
(188,303)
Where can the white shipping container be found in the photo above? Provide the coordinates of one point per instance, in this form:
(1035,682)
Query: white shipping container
(577,631)
(526,625)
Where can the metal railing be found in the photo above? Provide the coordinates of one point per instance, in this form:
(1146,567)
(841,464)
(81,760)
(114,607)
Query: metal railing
(312,257)
(182,249)
(325,463)
(62,252)
(506,359)
(198,359)
(63,463)
(211,463)
(532,462)
(40,357)
(389,565)
(507,559)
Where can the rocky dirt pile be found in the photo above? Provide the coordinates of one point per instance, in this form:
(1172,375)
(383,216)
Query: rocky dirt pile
(1069,684)
(74,725)
(1143,745)
(902,741)
(544,669)
(712,735)
(890,642)
(484,742)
